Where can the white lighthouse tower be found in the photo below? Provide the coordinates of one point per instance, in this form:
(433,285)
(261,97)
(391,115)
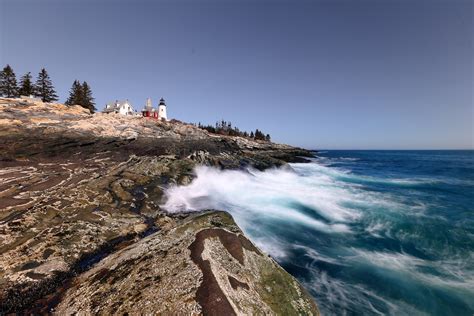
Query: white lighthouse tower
(162,110)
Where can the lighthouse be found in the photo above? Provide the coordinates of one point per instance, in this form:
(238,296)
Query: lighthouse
(162,110)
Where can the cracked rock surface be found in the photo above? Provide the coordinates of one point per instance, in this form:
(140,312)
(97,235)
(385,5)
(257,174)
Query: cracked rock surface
(81,228)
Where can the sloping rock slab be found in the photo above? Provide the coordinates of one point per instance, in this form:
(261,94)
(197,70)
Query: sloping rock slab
(204,265)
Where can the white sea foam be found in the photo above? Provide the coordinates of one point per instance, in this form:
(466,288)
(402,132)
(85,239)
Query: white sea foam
(388,260)
(272,245)
(376,228)
(310,196)
(316,256)
(273,193)
(334,203)
(348,159)
(340,297)
(457,273)
(306,198)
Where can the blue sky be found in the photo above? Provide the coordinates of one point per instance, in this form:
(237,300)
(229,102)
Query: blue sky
(382,74)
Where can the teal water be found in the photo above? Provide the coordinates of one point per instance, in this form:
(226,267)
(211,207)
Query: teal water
(366,232)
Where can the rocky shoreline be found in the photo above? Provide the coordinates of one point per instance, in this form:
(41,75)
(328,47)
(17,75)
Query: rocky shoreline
(81,228)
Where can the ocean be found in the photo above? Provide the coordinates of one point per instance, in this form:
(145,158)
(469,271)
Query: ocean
(365,232)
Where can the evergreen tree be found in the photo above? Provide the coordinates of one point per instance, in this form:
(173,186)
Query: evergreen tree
(259,135)
(26,86)
(268,138)
(76,95)
(8,85)
(44,88)
(252,135)
(88,101)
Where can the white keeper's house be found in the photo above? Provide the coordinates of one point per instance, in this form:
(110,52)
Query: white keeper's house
(120,107)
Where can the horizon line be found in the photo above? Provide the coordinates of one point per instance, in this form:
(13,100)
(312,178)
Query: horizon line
(375,149)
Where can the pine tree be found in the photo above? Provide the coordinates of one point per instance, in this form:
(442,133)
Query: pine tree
(259,135)
(8,85)
(76,95)
(44,88)
(26,86)
(88,102)
(268,138)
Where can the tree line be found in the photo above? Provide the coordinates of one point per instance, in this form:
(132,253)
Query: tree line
(80,93)
(225,128)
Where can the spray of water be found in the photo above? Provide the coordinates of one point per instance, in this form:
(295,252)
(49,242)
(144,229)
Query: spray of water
(313,216)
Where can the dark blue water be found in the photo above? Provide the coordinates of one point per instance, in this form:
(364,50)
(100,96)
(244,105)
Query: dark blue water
(411,251)
(366,232)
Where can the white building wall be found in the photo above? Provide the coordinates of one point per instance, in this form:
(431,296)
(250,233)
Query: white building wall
(123,109)
(162,112)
